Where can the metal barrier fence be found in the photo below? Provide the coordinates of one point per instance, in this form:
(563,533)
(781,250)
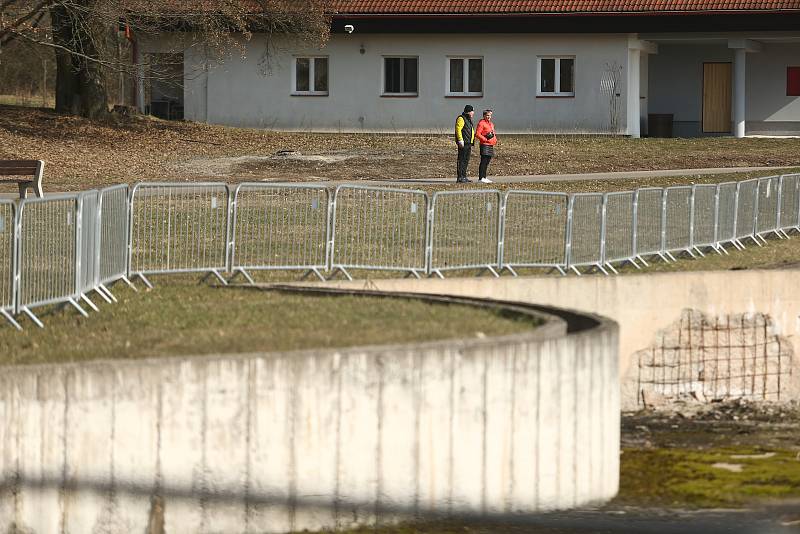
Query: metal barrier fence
(618,229)
(379,228)
(465,231)
(585,242)
(58,249)
(769,199)
(535,230)
(746,209)
(88,206)
(178,228)
(8,261)
(279,227)
(704,217)
(112,257)
(649,228)
(49,260)
(790,203)
(726,214)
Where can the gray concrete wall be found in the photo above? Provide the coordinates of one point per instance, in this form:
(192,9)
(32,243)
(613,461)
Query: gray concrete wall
(249,90)
(280,442)
(645,306)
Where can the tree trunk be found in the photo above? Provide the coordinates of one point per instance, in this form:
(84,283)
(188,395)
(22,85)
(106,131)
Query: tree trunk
(80,84)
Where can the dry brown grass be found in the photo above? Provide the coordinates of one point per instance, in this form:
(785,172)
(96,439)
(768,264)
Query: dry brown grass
(82,153)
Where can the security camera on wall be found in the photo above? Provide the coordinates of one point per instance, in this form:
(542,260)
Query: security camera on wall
(349,28)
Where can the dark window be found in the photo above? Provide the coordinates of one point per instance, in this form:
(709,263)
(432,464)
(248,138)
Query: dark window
(302,75)
(793,81)
(456,75)
(567,76)
(321,74)
(400,75)
(475,75)
(548,76)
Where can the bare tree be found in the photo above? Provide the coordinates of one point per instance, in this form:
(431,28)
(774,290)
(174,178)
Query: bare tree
(78,31)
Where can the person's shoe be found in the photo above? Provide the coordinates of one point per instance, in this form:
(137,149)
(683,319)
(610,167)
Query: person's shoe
(485,181)
(463,181)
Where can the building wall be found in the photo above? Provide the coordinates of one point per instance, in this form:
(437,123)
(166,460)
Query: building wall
(245,91)
(676,86)
(321,439)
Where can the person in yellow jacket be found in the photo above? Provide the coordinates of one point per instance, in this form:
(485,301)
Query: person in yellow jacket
(465,138)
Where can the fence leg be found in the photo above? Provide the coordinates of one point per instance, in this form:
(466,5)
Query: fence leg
(33,318)
(575,269)
(103,290)
(78,307)
(436,272)
(511,270)
(697,249)
(316,272)
(102,295)
(343,271)
(145,280)
(491,270)
(611,268)
(414,273)
(641,259)
(10,319)
(130,284)
(89,303)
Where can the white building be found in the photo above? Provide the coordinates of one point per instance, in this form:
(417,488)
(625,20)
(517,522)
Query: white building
(599,66)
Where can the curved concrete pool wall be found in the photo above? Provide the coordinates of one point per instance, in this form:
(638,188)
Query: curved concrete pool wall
(315,439)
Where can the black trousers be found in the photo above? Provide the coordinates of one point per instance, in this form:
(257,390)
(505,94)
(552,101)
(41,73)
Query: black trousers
(463,161)
(484,166)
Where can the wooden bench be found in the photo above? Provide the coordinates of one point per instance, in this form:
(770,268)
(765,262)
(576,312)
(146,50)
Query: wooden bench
(32,168)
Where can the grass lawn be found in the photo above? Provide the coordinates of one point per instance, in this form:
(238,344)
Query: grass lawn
(81,154)
(184,318)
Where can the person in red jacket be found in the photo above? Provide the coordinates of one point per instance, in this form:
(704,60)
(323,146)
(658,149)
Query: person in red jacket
(488,139)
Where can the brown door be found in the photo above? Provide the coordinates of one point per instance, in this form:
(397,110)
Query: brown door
(717,98)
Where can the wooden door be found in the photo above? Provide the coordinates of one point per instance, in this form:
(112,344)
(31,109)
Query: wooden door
(717,93)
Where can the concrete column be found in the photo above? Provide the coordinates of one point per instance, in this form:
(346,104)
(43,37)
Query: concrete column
(634,109)
(739,92)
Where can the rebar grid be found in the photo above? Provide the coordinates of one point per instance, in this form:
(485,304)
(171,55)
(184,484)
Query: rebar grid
(731,356)
(280,227)
(535,229)
(380,228)
(465,230)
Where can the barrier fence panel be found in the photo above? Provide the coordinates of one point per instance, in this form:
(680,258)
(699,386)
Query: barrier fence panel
(49,260)
(535,230)
(746,198)
(178,228)
(726,214)
(704,217)
(649,208)
(585,247)
(112,260)
(89,250)
(677,219)
(465,230)
(8,260)
(790,202)
(618,228)
(379,228)
(279,227)
(768,204)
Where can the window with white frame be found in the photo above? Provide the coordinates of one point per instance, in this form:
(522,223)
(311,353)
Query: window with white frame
(464,76)
(401,76)
(556,76)
(310,76)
